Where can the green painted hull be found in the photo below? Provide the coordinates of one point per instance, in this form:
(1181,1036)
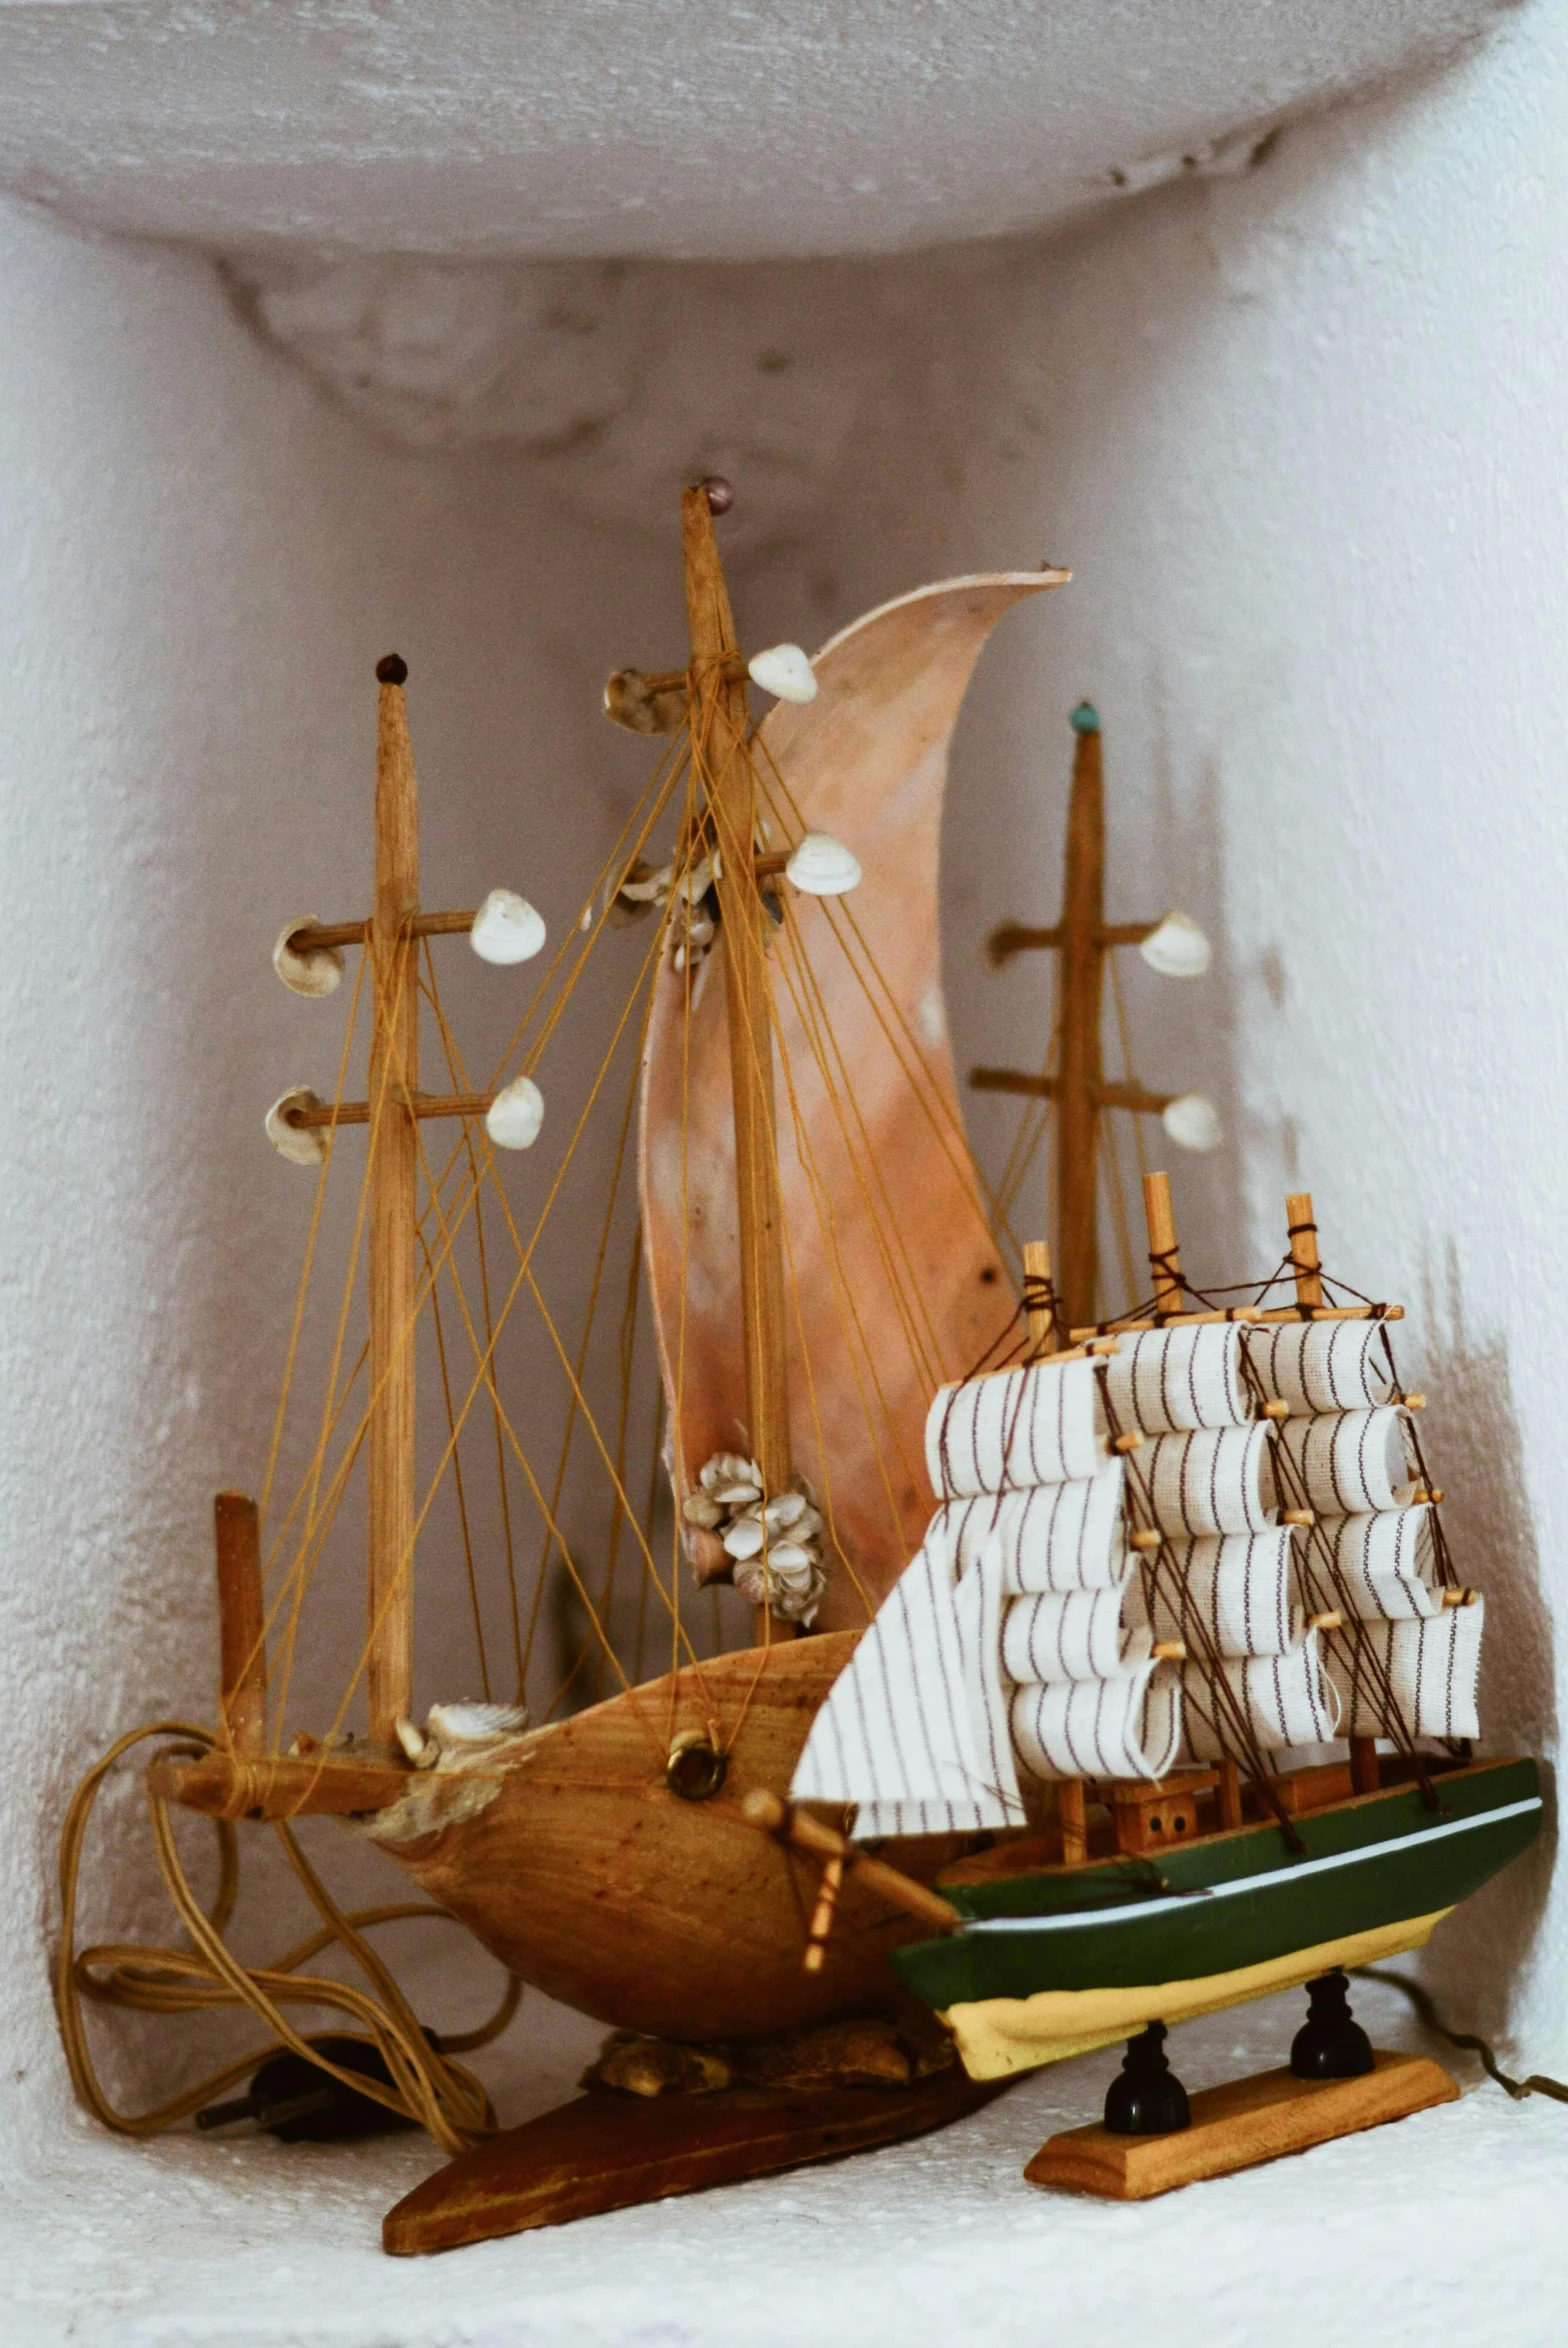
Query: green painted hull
(1234,1901)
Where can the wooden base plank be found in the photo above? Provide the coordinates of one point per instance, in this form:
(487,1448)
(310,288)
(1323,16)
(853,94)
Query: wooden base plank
(609,2151)
(1239,2125)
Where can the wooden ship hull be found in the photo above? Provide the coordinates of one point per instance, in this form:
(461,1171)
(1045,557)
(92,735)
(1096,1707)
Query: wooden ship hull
(591,1879)
(1057,1962)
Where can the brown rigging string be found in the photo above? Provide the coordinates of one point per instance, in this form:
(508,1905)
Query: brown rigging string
(1358,1655)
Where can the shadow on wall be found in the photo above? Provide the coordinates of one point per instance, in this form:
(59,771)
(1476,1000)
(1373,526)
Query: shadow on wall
(1476,1960)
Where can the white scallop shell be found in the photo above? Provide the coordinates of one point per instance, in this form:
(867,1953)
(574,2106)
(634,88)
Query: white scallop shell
(314,973)
(1193,1122)
(1178,948)
(785,672)
(744,1537)
(822,866)
(730,1467)
(515,1115)
(302,1145)
(475,1724)
(506,929)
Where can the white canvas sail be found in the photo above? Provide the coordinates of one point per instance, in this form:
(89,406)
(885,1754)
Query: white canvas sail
(1128,1727)
(1350,1461)
(1075,1634)
(1287,1700)
(1216,1481)
(1322,1365)
(1048,1536)
(1237,1589)
(1433,1666)
(1015,1428)
(1173,1381)
(1387,1562)
(901,1735)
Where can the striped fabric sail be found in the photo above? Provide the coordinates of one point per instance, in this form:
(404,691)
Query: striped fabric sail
(900,1734)
(1350,1460)
(1216,1481)
(1018,1427)
(1077,1635)
(1171,1381)
(1049,1536)
(1387,1562)
(1125,1727)
(1288,1700)
(1239,1587)
(1322,1365)
(1433,1666)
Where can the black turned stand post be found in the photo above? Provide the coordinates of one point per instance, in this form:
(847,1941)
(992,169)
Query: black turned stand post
(1146,2098)
(1330,2044)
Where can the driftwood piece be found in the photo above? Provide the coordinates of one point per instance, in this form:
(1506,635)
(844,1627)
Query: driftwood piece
(609,2152)
(867,762)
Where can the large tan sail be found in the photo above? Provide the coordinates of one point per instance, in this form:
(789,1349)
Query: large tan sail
(867,762)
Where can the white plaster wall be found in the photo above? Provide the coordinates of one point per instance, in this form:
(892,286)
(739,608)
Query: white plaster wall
(1300,434)
(202,561)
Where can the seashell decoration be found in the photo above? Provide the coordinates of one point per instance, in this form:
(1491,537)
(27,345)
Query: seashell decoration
(822,867)
(1177,948)
(302,1145)
(785,672)
(774,1545)
(506,929)
(421,1750)
(471,1723)
(1193,1122)
(315,972)
(515,1115)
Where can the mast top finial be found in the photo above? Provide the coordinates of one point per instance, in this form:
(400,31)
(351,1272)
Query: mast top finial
(393,670)
(721,493)
(1085,718)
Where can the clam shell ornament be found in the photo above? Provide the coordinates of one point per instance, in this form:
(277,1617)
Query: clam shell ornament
(822,867)
(1177,948)
(515,1115)
(302,1145)
(475,1724)
(506,929)
(785,672)
(314,972)
(1193,1122)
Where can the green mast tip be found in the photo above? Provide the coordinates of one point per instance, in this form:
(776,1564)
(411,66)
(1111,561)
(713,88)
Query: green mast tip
(1085,718)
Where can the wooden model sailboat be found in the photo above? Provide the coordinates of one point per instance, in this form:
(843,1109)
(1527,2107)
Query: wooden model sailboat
(1167,1556)
(817,1255)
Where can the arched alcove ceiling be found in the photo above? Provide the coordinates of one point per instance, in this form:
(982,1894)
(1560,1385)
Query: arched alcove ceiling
(461,216)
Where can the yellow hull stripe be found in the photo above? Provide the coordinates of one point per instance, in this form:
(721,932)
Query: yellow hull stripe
(1000,2035)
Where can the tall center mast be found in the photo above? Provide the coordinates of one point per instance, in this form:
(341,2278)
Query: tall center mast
(394,1162)
(721,761)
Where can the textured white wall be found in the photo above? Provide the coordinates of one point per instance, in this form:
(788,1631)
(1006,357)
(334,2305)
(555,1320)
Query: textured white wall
(202,562)
(1300,435)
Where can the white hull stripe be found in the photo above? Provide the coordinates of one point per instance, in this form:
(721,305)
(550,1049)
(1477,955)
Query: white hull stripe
(1136,1910)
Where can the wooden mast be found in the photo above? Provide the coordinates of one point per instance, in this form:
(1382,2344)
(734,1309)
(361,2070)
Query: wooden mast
(1079,1075)
(394,1074)
(1164,1254)
(1306,1265)
(723,761)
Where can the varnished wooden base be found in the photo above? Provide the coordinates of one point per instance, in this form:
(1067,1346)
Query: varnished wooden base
(1239,2125)
(608,2151)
